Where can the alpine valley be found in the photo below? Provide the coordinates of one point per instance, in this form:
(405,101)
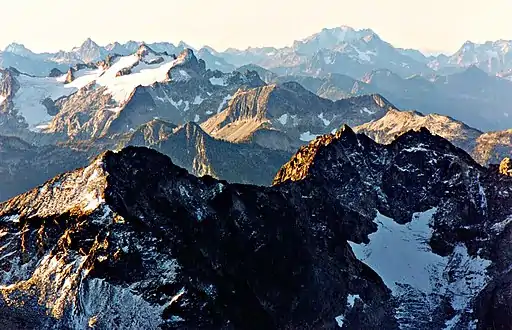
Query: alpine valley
(339,182)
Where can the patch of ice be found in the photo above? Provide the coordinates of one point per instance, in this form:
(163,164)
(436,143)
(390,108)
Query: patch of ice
(196,118)
(177,105)
(408,258)
(364,56)
(351,300)
(41,127)
(470,274)
(176,297)
(340,320)
(33,90)
(142,74)
(224,101)
(307,136)
(84,77)
(326,122)
(366,110)
(218,81)
(283,119)
(452,323)
(328,60)
(198,100)
(187,106)
(209,112)
(402,257)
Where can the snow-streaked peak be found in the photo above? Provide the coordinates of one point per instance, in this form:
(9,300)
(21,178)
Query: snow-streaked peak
(18,49)
(330,38)
(120,76)
(492,56)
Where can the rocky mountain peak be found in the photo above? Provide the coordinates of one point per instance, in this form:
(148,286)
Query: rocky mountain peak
(89,43)
(467,46)
(298,167)
(18,49)
(187,55)
(187,59)
(89,51)
(144,50)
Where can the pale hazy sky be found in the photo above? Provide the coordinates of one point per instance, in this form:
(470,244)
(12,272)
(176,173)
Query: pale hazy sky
(49,25)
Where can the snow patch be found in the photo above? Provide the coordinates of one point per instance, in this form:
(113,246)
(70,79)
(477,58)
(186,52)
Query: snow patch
(224,101)
(326,122)
(198,100)
(93,201)
(196,118)
(33,90)
(142,74)
(307,136)
(181,75)
(364,56)
(351,300)
(218,81)
(83,78)
(408,258)
(340,320)
(402,257)
(366,110)
(283,119)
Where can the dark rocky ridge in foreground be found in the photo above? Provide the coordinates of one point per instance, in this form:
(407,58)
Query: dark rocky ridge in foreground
(182,252)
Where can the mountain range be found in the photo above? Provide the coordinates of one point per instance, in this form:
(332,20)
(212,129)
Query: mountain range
(90,108)
(332,50)
(340,182)
(334,63)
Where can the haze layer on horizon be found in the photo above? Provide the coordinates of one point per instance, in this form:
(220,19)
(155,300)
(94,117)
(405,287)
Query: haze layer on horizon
(431,26)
